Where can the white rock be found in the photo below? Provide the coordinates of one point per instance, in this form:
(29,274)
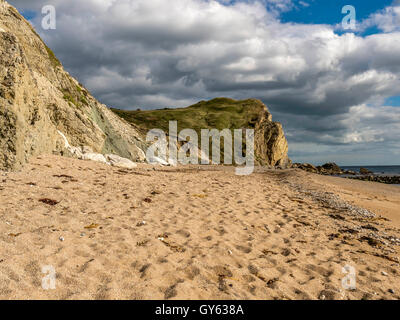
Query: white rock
(98,157)
(73,150)
(66,143)
(156,160)
(120,162)
(172,162)
(86,153)
(85,149)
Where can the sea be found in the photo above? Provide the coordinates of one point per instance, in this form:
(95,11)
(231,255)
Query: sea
(377,170)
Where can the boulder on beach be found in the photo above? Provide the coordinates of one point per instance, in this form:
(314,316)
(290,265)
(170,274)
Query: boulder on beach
(332,168)
(365,171)
(306,167)
(98,157)
(117,161)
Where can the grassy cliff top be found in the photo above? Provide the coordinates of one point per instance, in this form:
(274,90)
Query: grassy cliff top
(219,113)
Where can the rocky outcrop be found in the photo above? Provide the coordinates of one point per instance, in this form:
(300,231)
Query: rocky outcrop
(332,168)
(306,167)
(271,147)
(38,98)
(365,171)
(380,179)
(326,169)
(117,161)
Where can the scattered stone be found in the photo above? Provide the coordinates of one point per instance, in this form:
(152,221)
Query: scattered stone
(142,243)
(50,202)
(380,179)
(337,217)
(98,157)
(157,161)
(369,227)
(365,171)
(384,273)
(327,295)
(170,292)
(326,169)
(332,168)
(271,283)
(306,167)
(117,161)
(61,238)
(371,241)
(92,226)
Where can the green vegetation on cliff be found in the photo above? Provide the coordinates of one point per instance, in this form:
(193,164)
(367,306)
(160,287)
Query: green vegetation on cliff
(219,113)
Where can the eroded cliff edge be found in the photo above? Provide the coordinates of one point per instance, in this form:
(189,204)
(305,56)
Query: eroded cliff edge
(38,98)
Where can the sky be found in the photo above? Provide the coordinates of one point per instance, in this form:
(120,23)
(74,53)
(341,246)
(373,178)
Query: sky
(336,91)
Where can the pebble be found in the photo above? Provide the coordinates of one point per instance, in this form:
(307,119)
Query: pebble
(384,273)
(61,238)
(391,291)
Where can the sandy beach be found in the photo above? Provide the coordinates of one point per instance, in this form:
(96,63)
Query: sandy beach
(196,232)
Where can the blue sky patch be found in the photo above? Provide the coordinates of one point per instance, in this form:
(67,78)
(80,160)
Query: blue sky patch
(393,101)
(330,11)
(29,14)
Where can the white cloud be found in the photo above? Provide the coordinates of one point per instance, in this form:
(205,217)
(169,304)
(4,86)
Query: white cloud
(387,20)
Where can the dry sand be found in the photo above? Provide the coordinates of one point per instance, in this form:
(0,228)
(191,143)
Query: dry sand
(193,233)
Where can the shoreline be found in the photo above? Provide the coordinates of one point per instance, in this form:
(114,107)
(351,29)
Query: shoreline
(383,199)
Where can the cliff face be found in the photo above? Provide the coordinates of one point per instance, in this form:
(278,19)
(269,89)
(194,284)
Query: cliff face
(38,98)
(271,147)
(41,105)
